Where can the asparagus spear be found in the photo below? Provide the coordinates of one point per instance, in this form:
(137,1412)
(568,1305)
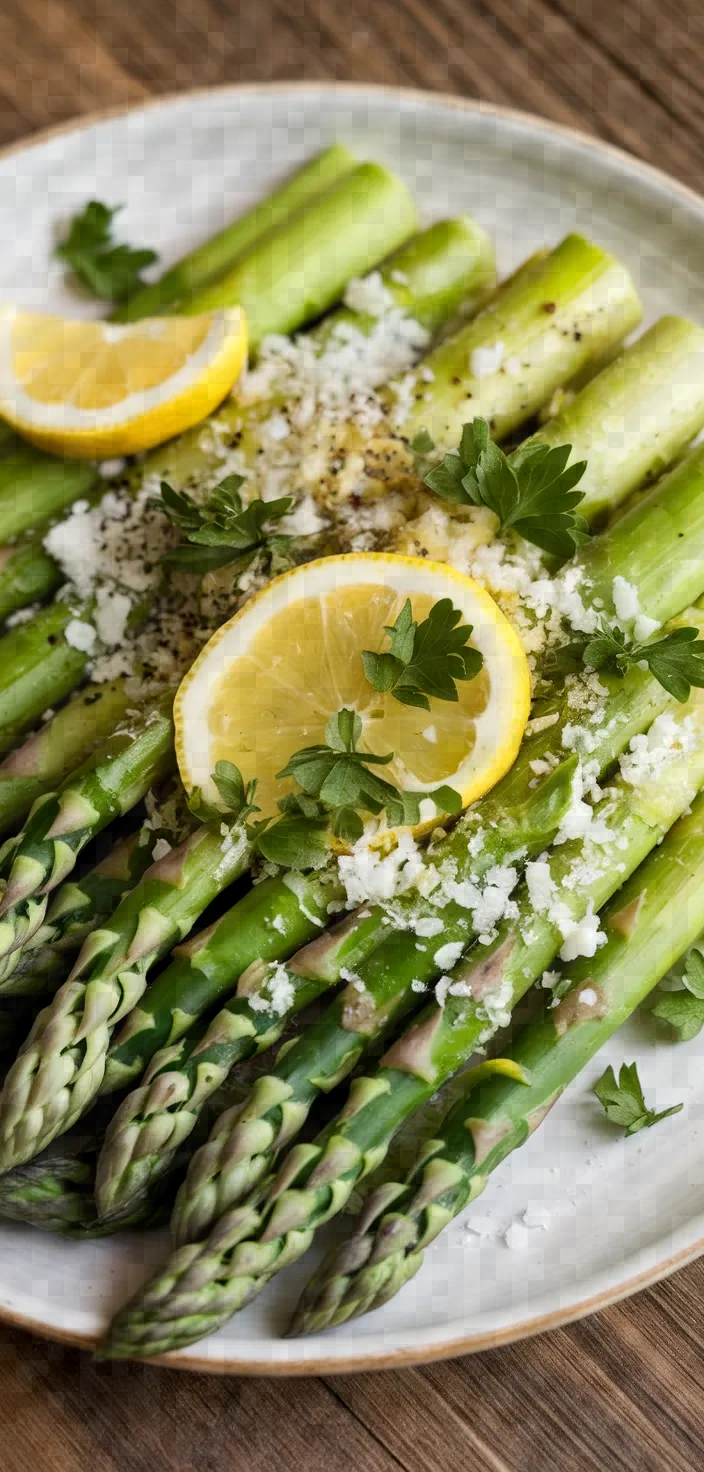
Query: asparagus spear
(38,669)
(497,973)
(515,815)
(79,907)
(659,911)
(27,575)
(35,486)
(634,435)
(55,1192)
(62,823)
(59,746)
(205,1282)
(562,312)
(60,1067)
(217,255)
(300,271)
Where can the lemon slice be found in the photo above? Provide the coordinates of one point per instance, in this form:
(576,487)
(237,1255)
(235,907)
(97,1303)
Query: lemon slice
(267,682)
(94,389)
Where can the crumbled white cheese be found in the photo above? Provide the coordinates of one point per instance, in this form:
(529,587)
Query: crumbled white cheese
(278,923)
(161,848)
(648,755)
(448,955)
(80,635)
(428,926)
(279,989)
(485,361)
(583,938)
(353,978)
(368,295)
(430,734)
(588,997)
(626,600)
(368,874)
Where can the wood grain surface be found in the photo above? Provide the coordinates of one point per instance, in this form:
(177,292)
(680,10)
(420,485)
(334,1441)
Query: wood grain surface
(624,1390)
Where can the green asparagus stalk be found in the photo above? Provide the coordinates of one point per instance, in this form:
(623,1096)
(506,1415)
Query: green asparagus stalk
(38,669)
(300,271)
(519,817)
(205,1282)
(60,1068)
(60,746)
(79,907)
(35,487)
(563,312)
(61,823)
(659,911)
(495,974)
(642,411)
(177,1081)
(55,1192)
(55,1195)
(211,260)
(27,575)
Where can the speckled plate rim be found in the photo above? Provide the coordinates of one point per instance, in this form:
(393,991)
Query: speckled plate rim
(637,1278)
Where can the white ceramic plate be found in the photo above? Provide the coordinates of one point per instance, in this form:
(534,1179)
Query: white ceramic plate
(620,1213)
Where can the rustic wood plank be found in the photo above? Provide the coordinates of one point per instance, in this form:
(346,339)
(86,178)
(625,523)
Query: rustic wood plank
(61,1412)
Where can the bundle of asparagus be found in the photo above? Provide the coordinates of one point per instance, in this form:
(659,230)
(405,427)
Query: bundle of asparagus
(556,320)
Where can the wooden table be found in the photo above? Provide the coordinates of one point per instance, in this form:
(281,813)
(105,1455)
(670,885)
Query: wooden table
(622,1390)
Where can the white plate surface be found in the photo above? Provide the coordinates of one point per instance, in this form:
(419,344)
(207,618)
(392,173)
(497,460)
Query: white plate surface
(621,1213)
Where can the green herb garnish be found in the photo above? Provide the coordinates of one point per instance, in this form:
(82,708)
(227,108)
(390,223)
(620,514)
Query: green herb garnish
(684,1010)
(236,795)
(676,660)
(111,271)
(623,1102)
(424,659)
(337,785)
(224,531)
(530,490)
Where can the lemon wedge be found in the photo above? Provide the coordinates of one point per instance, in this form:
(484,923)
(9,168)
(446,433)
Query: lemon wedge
(90,390)
(267,682)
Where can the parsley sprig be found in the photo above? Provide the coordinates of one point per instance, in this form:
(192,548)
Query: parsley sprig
(112,272)
(237,797)
(531,490)
(684,1010)
(623,1102)
(223,531)
(424,659)
(676,660)
(337,784)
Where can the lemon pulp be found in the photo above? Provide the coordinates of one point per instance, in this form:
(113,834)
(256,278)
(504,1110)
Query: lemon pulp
(304,664)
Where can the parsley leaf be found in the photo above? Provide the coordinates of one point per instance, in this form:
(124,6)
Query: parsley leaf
(111,271)
(676,660)
(425,659)
(684,1010)
(225,532)
(530,490)
(237,797)
(337,782)
(623,1102)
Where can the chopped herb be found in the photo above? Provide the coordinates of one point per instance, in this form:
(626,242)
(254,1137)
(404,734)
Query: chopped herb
(223,532)
(424,659)
(676,660)
(336,786)
(237,797)
(623,1102)
(111,271)
(684,1010)
(530,490)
